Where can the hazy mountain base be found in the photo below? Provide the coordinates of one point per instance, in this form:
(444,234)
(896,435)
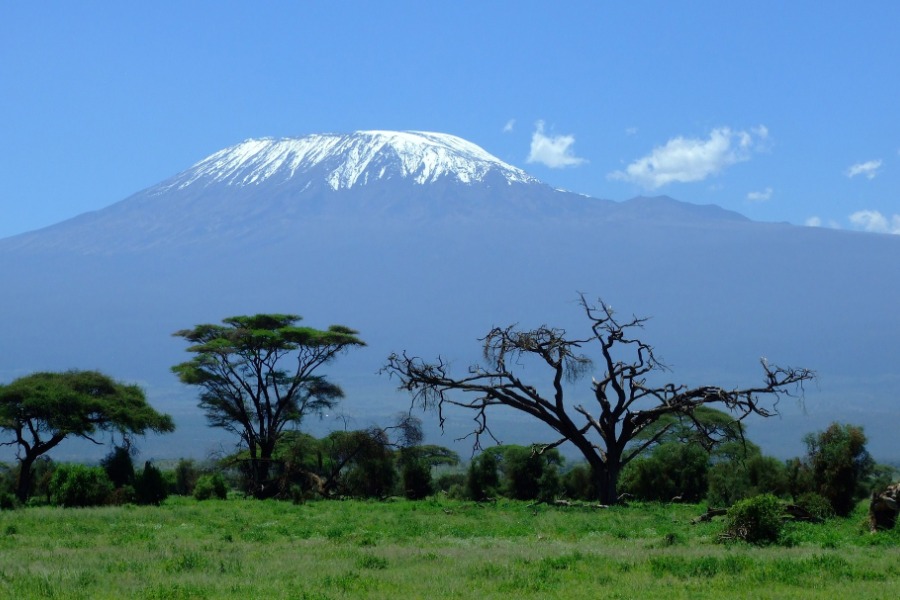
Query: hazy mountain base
(722,292)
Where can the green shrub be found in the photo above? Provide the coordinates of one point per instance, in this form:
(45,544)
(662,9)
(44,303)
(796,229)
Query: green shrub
(119,467)
(838,464)
(482,480)
(672,470)
(816,505)
(447,481)
(186,475)
(210,486)
(579,483)
(744,477)
(123,495)
(75,485)
(8,501)
(757,520)
(150,486)
(416,478)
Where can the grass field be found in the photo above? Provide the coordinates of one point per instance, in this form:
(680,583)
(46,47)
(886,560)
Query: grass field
(430,549)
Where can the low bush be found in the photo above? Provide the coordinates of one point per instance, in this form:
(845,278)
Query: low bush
(757,520)
(8,501)
(76,485)
(816,505)
(210,486)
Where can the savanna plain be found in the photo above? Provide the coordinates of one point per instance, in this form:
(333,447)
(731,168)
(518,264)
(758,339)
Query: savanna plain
(434,548)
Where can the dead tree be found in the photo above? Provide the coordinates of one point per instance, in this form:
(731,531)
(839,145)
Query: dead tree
(607,433)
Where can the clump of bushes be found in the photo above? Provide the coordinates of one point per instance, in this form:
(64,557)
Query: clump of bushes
(756,520)
(74,485)
(816,505)
(210,486)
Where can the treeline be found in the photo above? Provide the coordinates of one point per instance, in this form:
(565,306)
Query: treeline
(834,474)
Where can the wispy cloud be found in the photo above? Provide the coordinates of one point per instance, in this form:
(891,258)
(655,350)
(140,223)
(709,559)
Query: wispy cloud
(874,221)
(813,222)
(510,126)
(763,196)
(553,151)
(691,159)
(817,222)
(869,169)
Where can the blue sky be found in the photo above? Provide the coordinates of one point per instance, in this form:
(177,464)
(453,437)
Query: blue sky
(783,111)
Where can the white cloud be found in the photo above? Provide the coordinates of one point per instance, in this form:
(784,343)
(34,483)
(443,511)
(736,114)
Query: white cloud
(691,159)
(817,222)
(874,221)
(510,125)
(869,169)
(631,131)
(762,196)
(553,151)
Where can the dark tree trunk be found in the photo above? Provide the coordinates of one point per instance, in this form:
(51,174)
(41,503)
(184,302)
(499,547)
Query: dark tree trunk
(607,483)
(607,474)
(260,472)
(23,484)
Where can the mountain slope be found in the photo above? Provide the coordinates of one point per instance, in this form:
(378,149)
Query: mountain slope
(426,246)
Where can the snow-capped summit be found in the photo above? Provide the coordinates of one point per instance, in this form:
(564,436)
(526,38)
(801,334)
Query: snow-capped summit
(345,161)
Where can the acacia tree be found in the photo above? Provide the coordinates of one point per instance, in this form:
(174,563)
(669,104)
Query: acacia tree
(258,376)
(43,409)
(626,403)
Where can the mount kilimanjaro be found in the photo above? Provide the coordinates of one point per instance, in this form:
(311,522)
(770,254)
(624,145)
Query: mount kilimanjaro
(423,242)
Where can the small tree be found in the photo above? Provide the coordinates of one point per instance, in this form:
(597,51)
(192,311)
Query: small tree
(482,480)
(626,401)
(186,476)
(119,467)
(358,463)
(258,376)
(43,409)
(416,463)
(838,463)
(150,486)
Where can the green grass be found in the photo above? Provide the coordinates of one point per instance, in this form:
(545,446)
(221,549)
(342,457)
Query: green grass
(438,549)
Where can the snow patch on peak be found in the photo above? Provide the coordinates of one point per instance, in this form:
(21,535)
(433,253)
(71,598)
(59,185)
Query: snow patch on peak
(345,161)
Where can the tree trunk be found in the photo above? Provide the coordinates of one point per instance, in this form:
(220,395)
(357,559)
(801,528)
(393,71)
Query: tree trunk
(260,471)
(23,483)
(607,480)
(607,474)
